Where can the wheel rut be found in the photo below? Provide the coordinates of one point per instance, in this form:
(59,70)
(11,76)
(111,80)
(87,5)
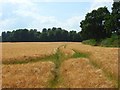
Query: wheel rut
(63,54)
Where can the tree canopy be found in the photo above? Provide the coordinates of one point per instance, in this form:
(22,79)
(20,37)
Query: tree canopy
(47,35)
(93,25)
(100,23)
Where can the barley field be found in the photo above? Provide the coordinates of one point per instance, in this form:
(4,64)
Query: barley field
(58,65)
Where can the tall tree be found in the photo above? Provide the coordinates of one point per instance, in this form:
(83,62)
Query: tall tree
(93,25)
(112,24)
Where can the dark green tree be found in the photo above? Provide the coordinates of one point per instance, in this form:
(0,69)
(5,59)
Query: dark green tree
(47,35)
(93,25)
(112,24)
(44,35)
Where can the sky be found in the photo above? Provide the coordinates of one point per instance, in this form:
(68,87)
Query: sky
(39,14)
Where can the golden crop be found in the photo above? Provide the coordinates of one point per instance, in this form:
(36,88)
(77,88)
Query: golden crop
(98,70)
(23,51)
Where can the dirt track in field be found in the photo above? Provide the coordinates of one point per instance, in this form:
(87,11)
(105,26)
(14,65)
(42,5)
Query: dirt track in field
(63,68)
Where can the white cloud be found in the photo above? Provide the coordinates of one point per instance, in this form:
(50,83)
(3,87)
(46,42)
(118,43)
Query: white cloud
(51,21)
(43,21)
(100,3)
(26,1)
(0,15)
(72,23)
(6,24)
(102,0)
(15,1)
(27,13)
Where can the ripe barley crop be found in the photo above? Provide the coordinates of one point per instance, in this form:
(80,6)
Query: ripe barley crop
(68,64)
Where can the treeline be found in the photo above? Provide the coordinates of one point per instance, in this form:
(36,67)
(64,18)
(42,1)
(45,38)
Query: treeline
(47,35)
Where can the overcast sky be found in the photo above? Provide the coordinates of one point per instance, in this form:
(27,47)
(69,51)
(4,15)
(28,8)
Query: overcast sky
(37,14)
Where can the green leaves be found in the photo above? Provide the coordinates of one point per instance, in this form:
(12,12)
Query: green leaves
(47,35)
(100,23)
(93,26)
